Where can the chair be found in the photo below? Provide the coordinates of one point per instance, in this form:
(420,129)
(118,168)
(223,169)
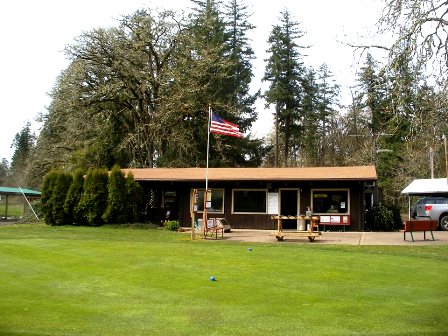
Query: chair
(214,227)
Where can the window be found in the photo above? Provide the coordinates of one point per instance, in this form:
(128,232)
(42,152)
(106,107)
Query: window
(249,201)
(330,201)
(217,202)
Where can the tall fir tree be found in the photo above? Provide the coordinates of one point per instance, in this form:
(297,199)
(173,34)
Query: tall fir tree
(284,71)
(24,145)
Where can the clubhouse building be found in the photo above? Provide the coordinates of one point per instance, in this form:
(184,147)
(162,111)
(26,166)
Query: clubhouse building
(249,197)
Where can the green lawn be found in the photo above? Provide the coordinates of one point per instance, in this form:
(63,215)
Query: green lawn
(108,281)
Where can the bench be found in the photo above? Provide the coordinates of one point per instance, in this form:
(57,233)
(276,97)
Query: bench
(412,226)
(330,220)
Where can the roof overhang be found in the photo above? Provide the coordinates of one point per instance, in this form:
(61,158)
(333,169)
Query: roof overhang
(427,187)
(358,173)
(18,191)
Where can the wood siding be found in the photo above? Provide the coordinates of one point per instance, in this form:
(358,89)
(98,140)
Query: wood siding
(263,221)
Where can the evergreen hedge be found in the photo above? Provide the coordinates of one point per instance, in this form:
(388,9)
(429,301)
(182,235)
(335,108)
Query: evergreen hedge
(135,199)
(117,198)
(71,209)
(94,198)
(47,192)
(61,187)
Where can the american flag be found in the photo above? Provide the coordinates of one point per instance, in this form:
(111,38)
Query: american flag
(221,126)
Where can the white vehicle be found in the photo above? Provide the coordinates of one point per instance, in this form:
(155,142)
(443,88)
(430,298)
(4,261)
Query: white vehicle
(434,208)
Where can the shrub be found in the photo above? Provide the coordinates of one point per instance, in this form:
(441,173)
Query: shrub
(135,199)
(73,197)
(383,218)
(47,192)
(94,197)
(116,210)
(30,216)
(172,225)
(60,189)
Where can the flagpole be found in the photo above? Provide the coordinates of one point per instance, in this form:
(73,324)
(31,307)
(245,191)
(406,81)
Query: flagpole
(204,218)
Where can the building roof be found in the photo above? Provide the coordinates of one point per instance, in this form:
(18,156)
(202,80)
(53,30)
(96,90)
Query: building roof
(364,173)
(427,187)
(18,191)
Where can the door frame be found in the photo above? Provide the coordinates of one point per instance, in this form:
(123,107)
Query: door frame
(280,200)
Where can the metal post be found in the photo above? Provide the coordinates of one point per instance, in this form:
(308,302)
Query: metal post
(446,157)
(431,161)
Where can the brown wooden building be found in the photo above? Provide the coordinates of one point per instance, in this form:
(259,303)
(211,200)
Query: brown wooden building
(247,197)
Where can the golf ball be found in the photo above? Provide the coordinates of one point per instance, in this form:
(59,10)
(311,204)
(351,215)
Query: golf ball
(249,249)
(212,278)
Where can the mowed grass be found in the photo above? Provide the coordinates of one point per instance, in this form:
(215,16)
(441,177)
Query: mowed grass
(109,281)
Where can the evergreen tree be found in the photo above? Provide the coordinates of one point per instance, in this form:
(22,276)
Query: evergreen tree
(24,145)
(241,54)
(135,198)
(94,197)
(73,197)
(46,195)
(310,143)
(328,101)
(60,189)
(117,200)
(203,75)
(4,172)
(284,71)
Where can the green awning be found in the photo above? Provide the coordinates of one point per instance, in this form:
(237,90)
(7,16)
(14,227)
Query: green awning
(18,191)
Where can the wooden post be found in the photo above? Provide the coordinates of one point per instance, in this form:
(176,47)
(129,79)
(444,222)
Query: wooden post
(194,208)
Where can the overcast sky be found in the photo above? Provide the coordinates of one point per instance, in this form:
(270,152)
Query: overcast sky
(34,34)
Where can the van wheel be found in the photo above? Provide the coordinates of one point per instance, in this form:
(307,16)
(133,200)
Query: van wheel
(444,223)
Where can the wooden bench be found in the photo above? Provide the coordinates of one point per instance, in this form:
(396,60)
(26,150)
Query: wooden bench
(412,226)
(311,233)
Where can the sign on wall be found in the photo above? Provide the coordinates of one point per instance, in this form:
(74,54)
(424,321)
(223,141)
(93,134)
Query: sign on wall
(273,203)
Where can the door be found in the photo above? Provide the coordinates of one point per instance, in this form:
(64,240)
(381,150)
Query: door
(289,206)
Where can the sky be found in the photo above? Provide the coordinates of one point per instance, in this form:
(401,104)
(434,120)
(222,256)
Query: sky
(34,34)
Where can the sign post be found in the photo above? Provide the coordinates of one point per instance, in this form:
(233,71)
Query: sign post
(194,209)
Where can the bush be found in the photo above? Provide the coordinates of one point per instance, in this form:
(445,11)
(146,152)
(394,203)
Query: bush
(172,225)
(383,218)
(47,193)
(54,192)
(117,206)
(72,200)
(135,199)
(30,216)
(93,200)
(61,187)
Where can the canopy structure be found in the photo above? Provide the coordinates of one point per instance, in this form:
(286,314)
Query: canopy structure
(14,201)
(18,191)
(427,187)
(422,187)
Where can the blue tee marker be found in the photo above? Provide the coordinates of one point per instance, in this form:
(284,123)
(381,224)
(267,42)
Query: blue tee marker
(212,278)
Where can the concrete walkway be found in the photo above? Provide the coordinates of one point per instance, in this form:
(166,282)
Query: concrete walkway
(348,238)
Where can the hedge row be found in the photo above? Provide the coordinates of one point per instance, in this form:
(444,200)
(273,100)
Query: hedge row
(94,198)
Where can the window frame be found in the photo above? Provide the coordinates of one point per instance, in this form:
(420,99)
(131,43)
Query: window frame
(245,212)
(322,190)
(208,210)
